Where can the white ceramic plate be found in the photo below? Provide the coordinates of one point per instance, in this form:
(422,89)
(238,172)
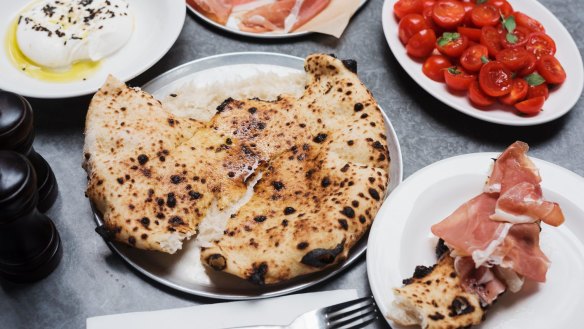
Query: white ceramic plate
(560,101)
(400,239)
(157,26)
(267,35)
(184,270)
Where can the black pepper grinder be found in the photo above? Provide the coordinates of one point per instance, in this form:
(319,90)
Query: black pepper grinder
(30,246)
(17,134)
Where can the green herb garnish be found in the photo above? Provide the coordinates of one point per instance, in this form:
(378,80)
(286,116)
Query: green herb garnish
(484,59)
(534,79)
(448,37)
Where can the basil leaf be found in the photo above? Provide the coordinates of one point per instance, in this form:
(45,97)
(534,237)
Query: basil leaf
(454,70)
(481,1)
(448,37)
(534,79)
(509,23)
(484,59)
(511,38)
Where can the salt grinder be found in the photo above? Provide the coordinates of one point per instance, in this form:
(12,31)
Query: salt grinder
(17,134)
(30,246)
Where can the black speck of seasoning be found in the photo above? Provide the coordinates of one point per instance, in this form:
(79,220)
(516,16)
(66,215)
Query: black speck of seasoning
(362,219)
(173,95)
(120,180)
(194,195)
(175,221)
(222,106)
(358,107)
(171,122)
(285,222)
(374,194)
(289,211)
(302,245)
(350,64)
(319,138)
(277,185)
(145,221)
(142,159)
(231,174)
(344,224)
(260,218)
(170,200)
(348,211)
(175,179)
(326,182)
(228,141)
(378,145)
(132,241)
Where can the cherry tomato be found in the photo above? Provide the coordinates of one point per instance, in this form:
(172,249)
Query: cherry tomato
(503,6)
(531,106)
(551,70)
(514,59)
(468,7)
(540,44)
(434,67)
(409,25)
(523,20)
(478,97)
(472,58)
(404,7)
(427,13)
(517,94)
(457,79)
(485,15)
(536,91)
(448,13)
(521,34)
(471,34)
(421,44)
(454,47)
(495,79)
(490,38)
(529,66)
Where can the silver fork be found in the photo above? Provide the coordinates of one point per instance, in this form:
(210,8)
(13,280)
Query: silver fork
(353,314)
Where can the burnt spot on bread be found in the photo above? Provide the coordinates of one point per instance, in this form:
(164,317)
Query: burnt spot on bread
(176,221)
(258,274)
(285,222)
(358,107)
(145,221)
(194,195)
(326,182)
(289,211)
(348,211)
(224,104)
(176,179)
(441,248)
(278,185)
(344,224)
(105,232)
(142,159)
(144,236)
(374,194)
(322,257)
(217,262)
(436,316)
(252,110)
(260,218)
(355,203)
(319,138)
(362,219)
(421,271)
(378,145)
(132,241)
(302,245)
(170,200)
(460,306)
(350,64)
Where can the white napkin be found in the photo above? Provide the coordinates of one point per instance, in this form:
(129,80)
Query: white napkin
(274,311)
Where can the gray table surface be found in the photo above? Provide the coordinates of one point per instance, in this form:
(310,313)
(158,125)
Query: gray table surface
(92,281)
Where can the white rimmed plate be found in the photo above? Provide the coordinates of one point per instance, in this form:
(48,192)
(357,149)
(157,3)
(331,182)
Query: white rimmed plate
(267,35)
(400,239)
(560,101)
(184,271)
(156,27)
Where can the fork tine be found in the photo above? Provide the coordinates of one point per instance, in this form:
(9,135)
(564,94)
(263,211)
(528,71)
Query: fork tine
(364,324)
(353,319)
(338,307)
(340,315)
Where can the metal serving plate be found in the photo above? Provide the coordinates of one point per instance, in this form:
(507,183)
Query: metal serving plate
(254,35)
(184,271)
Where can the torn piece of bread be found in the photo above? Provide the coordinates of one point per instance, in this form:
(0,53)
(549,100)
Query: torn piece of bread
(435,299)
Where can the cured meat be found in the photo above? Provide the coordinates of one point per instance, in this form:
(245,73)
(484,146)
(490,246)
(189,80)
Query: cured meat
(511,168)
(217,10)
(288,15)
(307,10)
(481,281)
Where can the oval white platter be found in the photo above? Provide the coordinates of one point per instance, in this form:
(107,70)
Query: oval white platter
(156,27)
(266,35)
(400,239)
(184,271)
(560,101)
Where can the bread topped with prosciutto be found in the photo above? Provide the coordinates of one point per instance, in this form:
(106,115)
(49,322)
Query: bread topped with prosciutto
(491,243)
(270,190)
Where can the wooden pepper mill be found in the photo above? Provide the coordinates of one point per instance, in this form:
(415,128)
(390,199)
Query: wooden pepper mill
(30,246)
(17,134)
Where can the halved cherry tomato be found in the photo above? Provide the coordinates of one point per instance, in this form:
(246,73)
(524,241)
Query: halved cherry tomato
(478,97)
(540,90)
(471,33)
(457,79)
(540,44)
(427,13)
(503,6)
(421,44)
(551,70)
(521,35)
(472,58)
(495,79)
(491,39)
(454,47)
(523,20)
(448,13)
(409,25)
(529,66)
(404,7)
(531,106)
(468,7)
(514,59)
(517,94)
(434,67)
(485,15)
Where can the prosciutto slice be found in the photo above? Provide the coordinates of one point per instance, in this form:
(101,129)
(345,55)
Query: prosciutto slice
(287,15)
(482,281)
(217,10)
